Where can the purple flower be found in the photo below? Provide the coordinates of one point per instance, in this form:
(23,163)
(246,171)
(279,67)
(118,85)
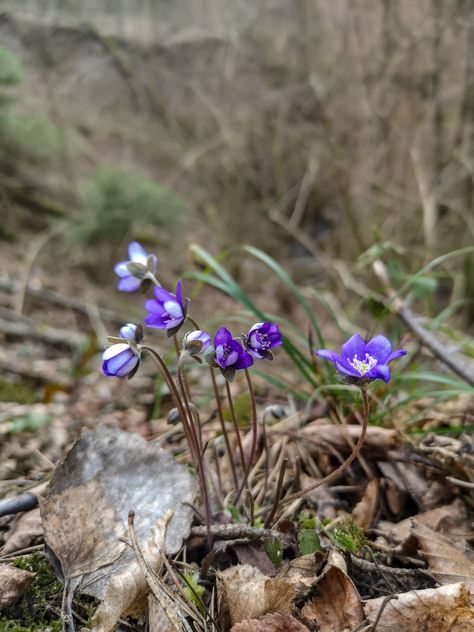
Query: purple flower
(120,360)
(261,338)
(360,361)
(139,267)
(196,341)
(229,354)
(167,311)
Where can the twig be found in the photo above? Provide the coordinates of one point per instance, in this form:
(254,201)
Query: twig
(236,532)
(24,502)
(448,357)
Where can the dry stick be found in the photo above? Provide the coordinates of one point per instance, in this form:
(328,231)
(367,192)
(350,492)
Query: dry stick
(451,359)
(220,414)
(254,437)
(355,453)
(272,513)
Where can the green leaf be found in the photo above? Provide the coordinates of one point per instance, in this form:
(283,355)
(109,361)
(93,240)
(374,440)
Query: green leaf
(294,289)
(308,541)
(274,549)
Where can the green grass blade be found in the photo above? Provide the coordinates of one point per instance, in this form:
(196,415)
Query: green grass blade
(291,285)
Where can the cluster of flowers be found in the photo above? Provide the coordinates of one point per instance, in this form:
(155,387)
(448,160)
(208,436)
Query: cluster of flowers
(359,362)
(169,311)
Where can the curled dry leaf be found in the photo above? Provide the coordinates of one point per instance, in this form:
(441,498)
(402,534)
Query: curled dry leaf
(272,622)
(449,561)
(246,593)
(363,513)
(127,590)
(85,509)
(378,441)
(336,606)
(163,614)
(13,583)
(443,609)
(24,529)
(446,519)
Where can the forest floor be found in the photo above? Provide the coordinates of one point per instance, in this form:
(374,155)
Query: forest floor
(385,546)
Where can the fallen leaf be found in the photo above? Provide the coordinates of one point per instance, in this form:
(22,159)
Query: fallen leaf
(363,513)
(85,509)
(447,519)
(443,609)
(272,622)
(378,441)
(246,593)
(448,561)
(25,528)
(337,606)
(127,590)
(162,615)
(407,477)
(13,583)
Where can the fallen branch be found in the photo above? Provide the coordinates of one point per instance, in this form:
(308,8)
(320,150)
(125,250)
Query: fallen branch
(449,357)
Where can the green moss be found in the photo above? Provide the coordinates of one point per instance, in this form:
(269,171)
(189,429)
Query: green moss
(39,608)
(347,536)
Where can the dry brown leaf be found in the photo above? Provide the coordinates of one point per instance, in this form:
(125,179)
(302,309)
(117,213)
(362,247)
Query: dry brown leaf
(363,513)
(447,519)
(406,476)
(449,561)
(246,593)
(337,605)
(24,529)
(13,583)
(127,589)
(272,622)
(378,441)
(162,615)
(443,609)
(85,509)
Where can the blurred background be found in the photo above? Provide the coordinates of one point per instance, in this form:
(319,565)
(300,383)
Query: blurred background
(328,134)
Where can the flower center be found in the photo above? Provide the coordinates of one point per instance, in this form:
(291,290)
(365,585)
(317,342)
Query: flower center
(362,366)
(259,341)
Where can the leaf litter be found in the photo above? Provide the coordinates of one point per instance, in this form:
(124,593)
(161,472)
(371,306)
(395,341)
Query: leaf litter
(85,510)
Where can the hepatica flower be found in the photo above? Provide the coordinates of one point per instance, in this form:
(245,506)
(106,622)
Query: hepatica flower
(122,358)
(167,311)
(362,362)
(196,342)
(139,267)
(261,338)
(229,354)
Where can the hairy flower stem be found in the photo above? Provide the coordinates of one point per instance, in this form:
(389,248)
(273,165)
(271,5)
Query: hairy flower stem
(271,515)
(254,437)
(220,414)
(354,454)
(196,438)
(235,424)
(194,448)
